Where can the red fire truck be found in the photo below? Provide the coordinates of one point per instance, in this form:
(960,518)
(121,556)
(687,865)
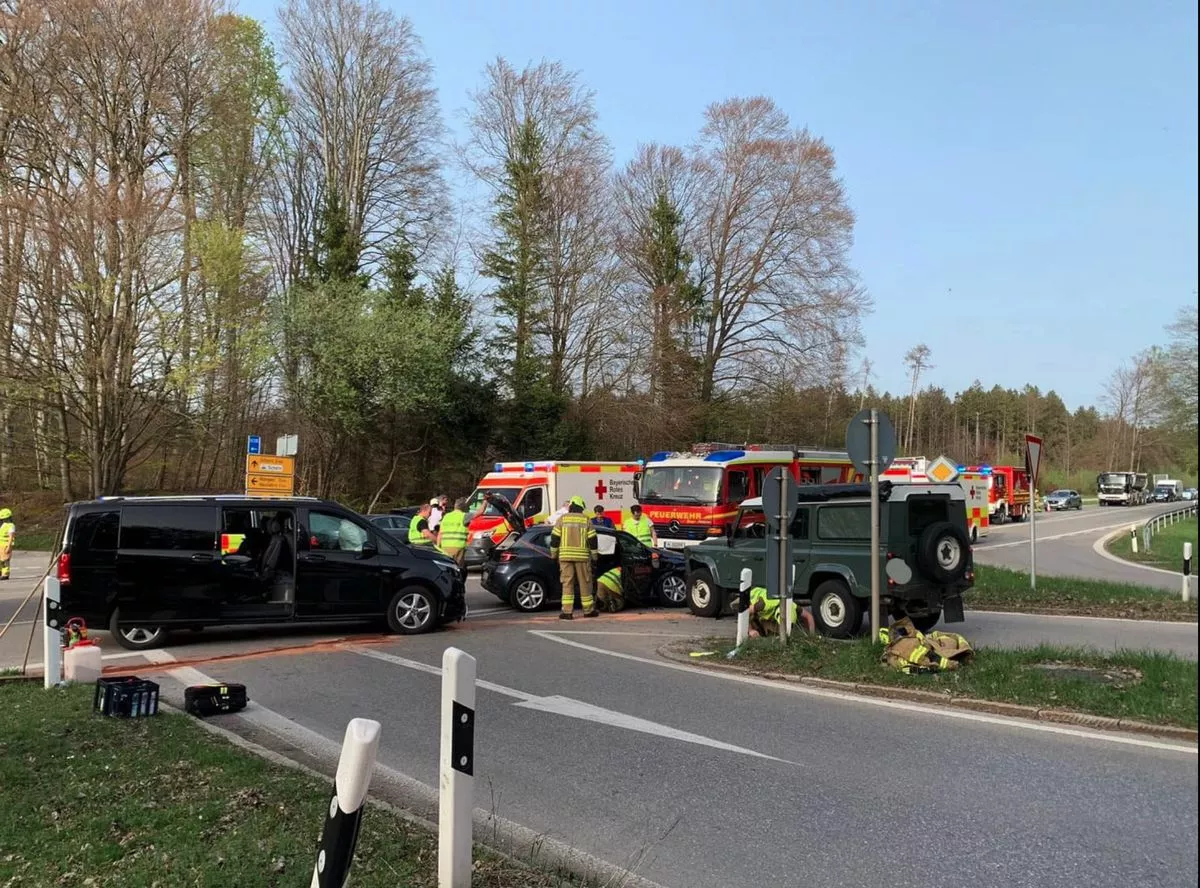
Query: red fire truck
(1008,492)
(689,496)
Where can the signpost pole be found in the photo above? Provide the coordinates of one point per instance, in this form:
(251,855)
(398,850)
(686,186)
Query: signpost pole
(1032,539)
(873,465)
(1033,460)
(785,594)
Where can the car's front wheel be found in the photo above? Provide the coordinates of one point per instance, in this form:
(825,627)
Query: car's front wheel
(136,638)
(528,594)
(703,595)
(412,611)
(836,612)
(672,590)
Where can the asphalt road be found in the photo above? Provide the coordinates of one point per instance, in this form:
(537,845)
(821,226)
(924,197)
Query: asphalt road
(1064,546)
(698,781)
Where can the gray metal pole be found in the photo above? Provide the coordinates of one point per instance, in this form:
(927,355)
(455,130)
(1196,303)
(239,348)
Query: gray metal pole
(1032,537)
(873,465)
(784,592)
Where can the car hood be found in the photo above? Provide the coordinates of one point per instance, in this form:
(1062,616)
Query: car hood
(671,558)
(427,553)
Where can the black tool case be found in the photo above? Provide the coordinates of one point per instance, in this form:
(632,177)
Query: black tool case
(214,699)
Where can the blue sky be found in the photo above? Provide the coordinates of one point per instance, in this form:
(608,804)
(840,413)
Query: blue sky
(1024,174)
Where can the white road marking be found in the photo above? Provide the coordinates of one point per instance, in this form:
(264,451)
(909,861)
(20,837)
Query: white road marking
(1054,536)
(1099,548)
(490,612)
(880,702)
(572,708)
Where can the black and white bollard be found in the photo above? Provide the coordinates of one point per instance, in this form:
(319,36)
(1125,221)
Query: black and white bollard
(456,795)
(335,854)
(743,617)
(1133,538)
(52,627)
(1187,570)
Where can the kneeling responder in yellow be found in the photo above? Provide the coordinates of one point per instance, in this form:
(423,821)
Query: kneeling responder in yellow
(8,538)
(765,613)
(609,593)
(452,532)
(573,545)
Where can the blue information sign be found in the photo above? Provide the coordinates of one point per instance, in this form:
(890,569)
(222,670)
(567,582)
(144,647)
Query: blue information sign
(254,444)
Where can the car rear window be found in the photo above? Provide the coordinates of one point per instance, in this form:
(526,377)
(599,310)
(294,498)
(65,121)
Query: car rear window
(179,528)
(96,532)
(844,522)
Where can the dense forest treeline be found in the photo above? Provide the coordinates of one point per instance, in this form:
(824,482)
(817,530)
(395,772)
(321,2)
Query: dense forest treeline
(205,236)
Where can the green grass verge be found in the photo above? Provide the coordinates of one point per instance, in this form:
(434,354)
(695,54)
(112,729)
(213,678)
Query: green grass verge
(159,801)
(1161,689)
(36,541)
(1166,546)
(998,588)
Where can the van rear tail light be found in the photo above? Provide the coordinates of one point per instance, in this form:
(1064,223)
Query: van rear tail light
(63,571)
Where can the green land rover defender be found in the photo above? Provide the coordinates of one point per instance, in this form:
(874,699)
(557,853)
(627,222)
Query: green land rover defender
(925,555)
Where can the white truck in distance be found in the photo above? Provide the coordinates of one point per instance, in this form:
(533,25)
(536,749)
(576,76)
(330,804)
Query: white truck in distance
(1168,490)
(1121,488)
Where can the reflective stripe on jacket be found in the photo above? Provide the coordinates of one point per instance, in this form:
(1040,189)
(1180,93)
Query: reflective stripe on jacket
(611,579)
(770,606)
(573,538)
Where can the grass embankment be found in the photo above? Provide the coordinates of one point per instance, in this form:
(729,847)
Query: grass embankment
(1166,546)
(997,588)
(1150,687)
(94,801)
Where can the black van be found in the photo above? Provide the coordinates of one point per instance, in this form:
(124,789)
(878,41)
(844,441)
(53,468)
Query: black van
(144,565)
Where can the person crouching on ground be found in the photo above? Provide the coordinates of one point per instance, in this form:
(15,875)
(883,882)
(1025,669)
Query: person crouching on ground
(765,613)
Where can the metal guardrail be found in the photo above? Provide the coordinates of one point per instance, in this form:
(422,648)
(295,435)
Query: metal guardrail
(1166,518)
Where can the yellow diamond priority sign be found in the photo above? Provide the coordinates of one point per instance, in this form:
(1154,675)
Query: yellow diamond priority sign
(942,470)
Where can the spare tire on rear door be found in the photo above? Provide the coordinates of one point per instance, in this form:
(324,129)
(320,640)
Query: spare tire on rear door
(942,552)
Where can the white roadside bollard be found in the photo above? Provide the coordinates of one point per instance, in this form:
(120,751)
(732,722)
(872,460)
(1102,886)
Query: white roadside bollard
(52,627)
(1133,537)
(743,617)
(1187,570)
(456,783)
(335,854)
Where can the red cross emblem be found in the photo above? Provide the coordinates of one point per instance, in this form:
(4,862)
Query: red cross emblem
(600,490)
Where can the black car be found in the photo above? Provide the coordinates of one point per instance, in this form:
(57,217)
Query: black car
(520,571)
(142,566)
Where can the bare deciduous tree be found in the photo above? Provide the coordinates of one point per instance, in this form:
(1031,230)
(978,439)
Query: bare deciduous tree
(772,246)
(364,103)
(916,359)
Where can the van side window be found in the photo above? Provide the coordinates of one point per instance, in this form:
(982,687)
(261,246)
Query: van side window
(739,486)
(844,522)
(177,528)
(328,531)
(97,531)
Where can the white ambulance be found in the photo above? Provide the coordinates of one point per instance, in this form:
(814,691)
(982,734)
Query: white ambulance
(975,484)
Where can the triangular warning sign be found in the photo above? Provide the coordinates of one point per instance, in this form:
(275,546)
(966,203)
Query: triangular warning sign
(1033,456)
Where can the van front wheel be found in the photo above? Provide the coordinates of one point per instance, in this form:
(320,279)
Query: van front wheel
(136,638)
(412,611)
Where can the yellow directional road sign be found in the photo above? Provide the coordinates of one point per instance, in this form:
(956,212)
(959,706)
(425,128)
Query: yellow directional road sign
(270,483)
(270,465)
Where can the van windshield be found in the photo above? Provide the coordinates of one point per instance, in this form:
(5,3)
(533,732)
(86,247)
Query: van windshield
(509,493)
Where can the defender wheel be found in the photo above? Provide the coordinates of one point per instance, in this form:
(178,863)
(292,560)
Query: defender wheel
(703,595)
(836,612)
(943,552)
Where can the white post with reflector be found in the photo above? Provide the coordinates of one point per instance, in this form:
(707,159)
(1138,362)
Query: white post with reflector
(335,854)
(1187,570)
(1133,538)
(743,617)
(456,796)
(52,626)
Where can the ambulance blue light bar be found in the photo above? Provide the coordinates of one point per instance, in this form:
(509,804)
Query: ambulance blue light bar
(529,467)
(660,456)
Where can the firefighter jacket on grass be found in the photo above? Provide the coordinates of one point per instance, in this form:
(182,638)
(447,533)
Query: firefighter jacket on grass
(912,651)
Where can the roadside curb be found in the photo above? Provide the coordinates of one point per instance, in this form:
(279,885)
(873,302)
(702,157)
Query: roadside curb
(1008,710)
(417,803)
(1100,547)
